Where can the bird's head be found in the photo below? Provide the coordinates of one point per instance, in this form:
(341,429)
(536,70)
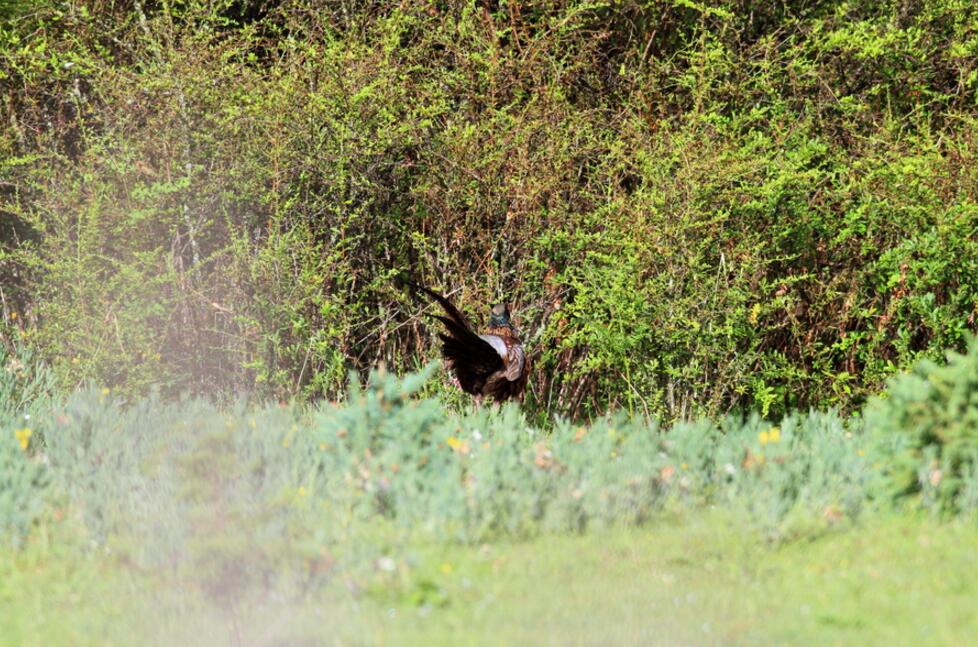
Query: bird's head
(499,316)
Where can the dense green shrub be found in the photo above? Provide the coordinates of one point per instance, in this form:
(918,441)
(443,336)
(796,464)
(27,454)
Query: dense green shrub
(928,420)
(694,206)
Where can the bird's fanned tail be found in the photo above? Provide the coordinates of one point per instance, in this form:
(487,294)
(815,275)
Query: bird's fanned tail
(483,364)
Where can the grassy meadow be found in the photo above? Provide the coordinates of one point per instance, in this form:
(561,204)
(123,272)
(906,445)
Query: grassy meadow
(682,580)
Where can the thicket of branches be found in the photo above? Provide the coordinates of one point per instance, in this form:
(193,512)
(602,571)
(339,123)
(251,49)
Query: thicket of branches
(692,206)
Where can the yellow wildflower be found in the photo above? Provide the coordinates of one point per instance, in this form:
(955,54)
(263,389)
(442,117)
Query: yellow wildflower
(24,437)
(458,446)
(447,568)
(772,435)
(106,390)
(860,452)
(754,312)
(302,492)
(13,316)
(684,466)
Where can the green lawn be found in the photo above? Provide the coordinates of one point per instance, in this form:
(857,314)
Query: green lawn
(694,582)
(680,581)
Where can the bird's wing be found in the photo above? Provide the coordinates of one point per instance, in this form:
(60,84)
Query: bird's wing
(515,367)
(512,354)
(473,359)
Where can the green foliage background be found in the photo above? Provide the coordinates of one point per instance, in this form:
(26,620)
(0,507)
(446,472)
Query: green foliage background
(693,206)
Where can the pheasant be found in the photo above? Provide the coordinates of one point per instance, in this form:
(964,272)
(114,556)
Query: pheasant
(493,364)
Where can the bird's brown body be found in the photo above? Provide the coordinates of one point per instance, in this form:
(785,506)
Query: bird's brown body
(492,364)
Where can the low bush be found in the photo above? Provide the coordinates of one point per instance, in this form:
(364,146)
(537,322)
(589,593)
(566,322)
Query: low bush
(928,420)
(26,396)
(488,472)
(23,486)
(234,496)
(158,470)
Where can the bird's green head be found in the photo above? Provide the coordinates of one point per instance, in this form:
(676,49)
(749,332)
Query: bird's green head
(499,316)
